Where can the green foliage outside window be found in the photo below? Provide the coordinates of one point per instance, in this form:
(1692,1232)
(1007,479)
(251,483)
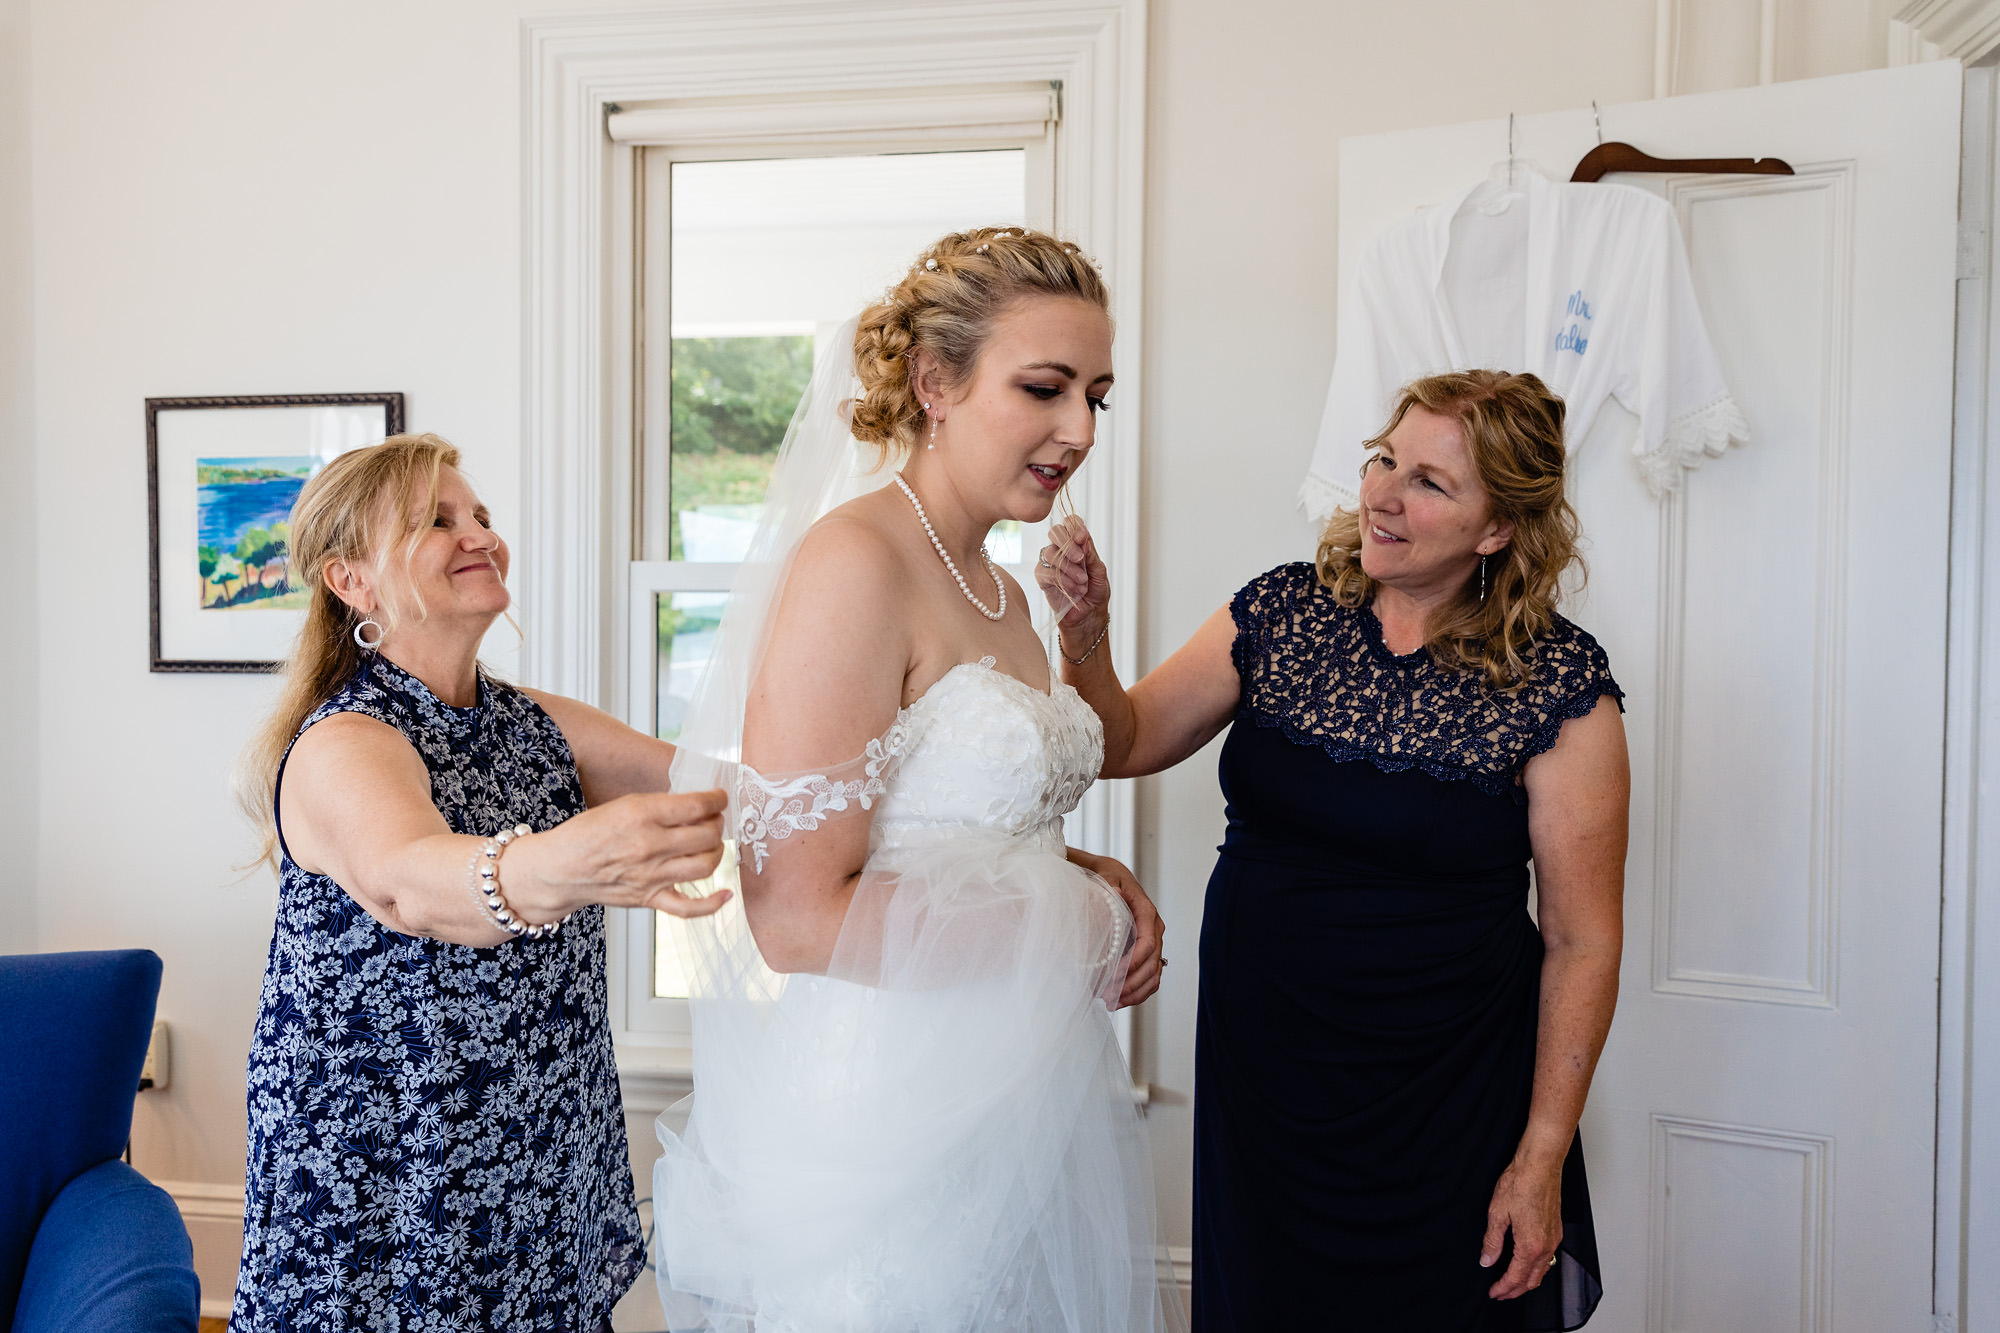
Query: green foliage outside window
(732,399)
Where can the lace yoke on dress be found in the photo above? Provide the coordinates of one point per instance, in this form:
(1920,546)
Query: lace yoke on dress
(1322,673)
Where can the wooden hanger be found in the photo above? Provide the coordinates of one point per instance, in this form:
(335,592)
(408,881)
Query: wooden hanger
(1610,157)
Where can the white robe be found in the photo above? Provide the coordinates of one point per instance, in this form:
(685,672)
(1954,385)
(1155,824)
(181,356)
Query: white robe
(1586,286)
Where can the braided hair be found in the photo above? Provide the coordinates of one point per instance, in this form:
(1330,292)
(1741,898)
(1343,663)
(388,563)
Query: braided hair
(946,304)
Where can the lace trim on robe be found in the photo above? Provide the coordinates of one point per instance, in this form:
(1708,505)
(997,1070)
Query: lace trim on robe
(773,808)
(1322,674)
(1691,440)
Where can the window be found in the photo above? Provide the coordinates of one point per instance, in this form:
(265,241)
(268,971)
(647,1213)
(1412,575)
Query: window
(1064,86)
(746,260)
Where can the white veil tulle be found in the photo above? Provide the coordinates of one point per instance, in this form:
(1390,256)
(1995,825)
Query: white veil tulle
(819,467)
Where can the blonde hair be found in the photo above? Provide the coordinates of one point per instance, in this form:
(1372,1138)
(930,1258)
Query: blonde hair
(946,305)
(1513,429)
(352,510)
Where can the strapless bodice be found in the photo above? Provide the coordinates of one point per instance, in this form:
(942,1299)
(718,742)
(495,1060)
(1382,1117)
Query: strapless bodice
(981,749)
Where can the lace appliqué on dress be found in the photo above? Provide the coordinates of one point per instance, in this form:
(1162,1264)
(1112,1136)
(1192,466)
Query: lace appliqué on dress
(775,808)
(1322,673)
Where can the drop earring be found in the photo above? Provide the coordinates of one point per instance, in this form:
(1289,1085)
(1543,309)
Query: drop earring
(932,444)
(1482,578)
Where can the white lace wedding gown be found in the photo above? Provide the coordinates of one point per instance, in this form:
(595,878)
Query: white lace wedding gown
(939,1135)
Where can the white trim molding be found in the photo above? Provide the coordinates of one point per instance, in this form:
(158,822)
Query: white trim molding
(217,1205)
(1667,45)
(1967,30)
(1966,1272)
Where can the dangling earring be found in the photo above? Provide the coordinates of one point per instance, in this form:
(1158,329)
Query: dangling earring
(363,642)
(933,440)
(1482,578)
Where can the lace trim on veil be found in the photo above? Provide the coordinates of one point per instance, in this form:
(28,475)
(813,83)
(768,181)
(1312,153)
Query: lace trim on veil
(776,807)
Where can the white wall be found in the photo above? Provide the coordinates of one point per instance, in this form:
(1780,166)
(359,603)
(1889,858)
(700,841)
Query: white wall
(232,197)
(17,494)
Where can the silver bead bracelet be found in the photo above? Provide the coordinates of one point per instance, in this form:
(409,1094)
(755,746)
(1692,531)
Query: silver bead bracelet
(1079,661)
(485,876)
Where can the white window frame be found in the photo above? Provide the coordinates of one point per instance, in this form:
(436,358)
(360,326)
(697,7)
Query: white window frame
(576,584)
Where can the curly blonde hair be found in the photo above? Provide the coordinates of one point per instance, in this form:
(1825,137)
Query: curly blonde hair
(1513,429)
(946,305)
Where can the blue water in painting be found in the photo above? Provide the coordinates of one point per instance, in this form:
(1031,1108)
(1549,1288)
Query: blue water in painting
(227,512)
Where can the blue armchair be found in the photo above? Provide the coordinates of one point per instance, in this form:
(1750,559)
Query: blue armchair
(87,1244)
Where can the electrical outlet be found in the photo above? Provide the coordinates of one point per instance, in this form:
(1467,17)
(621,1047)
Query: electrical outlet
(159,1063)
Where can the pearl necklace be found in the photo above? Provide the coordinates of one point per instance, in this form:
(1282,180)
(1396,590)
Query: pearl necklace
(945,556)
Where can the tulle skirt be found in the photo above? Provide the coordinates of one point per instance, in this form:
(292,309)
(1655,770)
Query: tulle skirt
(937,1136)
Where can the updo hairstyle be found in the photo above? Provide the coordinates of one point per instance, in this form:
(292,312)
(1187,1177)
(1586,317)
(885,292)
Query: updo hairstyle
(1513,429)
(946,304)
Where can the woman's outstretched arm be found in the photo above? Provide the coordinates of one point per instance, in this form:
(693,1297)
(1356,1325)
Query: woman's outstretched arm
(612,759)
(355,804)
(1177,707)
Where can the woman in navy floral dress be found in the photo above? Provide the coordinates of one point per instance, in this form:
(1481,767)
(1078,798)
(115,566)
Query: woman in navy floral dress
(1391,1055)
(436,1134)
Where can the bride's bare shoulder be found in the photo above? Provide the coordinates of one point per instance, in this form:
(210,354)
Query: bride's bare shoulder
(840,644)
(850,577)
(855,545)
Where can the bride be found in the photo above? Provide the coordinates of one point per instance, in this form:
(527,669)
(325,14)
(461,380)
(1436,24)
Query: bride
(910,1114)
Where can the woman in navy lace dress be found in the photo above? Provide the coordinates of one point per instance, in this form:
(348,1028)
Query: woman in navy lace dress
(1391,1057)
(436,1134)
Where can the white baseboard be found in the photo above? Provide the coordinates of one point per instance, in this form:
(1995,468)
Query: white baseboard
(200,1201)
(1174,1266)
(204,1206)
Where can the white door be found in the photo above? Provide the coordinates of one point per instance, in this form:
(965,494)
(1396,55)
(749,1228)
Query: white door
(1760,1138)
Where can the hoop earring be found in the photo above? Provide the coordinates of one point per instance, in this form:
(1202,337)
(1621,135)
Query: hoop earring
(1482,578)
(362,641)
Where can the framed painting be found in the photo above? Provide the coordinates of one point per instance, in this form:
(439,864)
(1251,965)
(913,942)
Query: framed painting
(222,474)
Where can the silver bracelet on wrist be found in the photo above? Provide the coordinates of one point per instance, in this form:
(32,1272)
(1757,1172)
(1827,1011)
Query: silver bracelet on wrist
(485,876)
(1079,661)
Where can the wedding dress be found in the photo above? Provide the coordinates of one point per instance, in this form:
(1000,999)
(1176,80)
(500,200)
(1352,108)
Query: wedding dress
(937,1135)
(952,1145)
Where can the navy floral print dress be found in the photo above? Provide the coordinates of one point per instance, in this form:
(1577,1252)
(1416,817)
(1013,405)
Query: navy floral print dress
(437,1140)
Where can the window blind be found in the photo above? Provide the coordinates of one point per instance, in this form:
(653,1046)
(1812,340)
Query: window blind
(930,114)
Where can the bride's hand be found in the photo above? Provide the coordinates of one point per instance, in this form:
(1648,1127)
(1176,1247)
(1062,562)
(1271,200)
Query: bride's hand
(1073,579)
(1143,966)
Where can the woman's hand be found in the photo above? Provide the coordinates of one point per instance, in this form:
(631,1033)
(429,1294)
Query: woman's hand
(1527,1202)
(1145,962)
(631,852)
(1074,580)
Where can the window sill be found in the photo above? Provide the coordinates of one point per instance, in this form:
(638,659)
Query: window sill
(652,1078)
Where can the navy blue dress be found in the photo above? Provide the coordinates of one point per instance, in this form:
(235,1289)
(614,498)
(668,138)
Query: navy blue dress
(436,1135)
(1370,980)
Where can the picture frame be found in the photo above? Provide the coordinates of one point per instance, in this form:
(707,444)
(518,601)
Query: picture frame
(221,476)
